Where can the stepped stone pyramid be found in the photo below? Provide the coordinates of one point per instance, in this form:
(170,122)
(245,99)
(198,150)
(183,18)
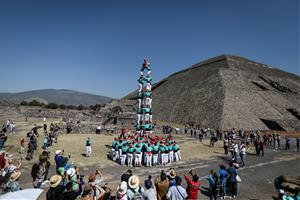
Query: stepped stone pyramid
(229,91)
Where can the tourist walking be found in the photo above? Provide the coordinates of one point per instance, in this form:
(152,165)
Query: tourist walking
(243,153)
(88,147)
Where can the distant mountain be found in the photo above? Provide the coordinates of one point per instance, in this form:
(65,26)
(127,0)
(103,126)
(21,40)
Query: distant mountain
(61,96)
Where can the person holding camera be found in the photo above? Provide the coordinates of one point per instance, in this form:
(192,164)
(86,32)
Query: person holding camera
(193,184)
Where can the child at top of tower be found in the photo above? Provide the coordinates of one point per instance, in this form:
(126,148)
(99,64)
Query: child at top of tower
(146,65)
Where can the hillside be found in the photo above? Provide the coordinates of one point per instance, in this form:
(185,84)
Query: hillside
(62,96)
(229,91)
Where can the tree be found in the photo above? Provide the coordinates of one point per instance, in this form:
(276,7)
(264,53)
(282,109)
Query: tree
(80,107)
(34,103)
(52,106)
(62,106)
(24,103)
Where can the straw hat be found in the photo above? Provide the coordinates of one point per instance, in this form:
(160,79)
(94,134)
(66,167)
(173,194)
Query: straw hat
(172,173)
(71,172)
(122,189)
(55,180)
(134,182)
(14,176)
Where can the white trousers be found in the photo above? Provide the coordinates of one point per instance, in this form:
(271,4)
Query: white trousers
(149,102)
(148,160)
(123,159)
(129,159)
(88,151)
(155,159)
(140,87)
(171,156)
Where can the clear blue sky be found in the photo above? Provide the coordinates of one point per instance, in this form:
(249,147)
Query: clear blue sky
(99,46)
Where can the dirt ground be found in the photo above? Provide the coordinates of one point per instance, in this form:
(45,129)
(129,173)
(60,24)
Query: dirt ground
(74,145)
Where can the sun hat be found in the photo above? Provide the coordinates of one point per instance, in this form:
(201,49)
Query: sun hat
(134,181)
(14,176)
(55,180)
(172,173)
(71,172)
(122,189)
(58,152)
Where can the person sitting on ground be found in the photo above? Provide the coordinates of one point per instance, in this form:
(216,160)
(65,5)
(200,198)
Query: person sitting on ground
(177,192)
(193,184)
(135,191)
(56,187)
(162,186)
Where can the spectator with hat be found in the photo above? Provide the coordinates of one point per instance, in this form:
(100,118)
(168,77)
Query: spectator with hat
(72,177)
(135,191)
(171,176)
(56,187)
(13,183)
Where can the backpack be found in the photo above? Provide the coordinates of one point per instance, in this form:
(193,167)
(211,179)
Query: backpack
(137,195)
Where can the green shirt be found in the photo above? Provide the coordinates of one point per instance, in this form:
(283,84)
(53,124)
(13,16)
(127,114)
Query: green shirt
(138,149)
(130,150)
(162,148)
(125,149)
(174,147)
(149,149)
(155,148)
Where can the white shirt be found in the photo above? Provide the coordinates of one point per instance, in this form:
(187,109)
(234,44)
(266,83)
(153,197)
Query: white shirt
(176,193)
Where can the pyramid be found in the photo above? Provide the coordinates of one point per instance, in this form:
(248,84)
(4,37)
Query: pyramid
(229,92)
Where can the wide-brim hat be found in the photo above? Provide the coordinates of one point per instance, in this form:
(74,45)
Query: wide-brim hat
(134,181)
(14,176)
(172,173)
(58,152)
(71,172)
(55,180)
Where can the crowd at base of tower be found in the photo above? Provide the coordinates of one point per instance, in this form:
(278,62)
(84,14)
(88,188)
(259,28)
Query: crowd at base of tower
(148,150)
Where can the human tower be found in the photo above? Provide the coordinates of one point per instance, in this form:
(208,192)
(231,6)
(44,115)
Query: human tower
(143,147)
(144,97)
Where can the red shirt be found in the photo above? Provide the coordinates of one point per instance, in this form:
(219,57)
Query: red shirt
(2,162)
(192,188)
(22,142)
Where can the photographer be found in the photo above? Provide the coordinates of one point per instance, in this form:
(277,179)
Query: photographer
(193,184)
